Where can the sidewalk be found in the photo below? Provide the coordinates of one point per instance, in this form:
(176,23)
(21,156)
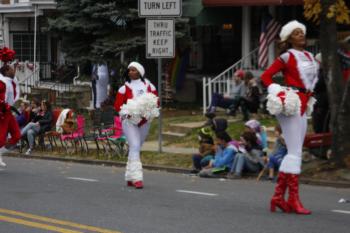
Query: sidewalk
(153,146)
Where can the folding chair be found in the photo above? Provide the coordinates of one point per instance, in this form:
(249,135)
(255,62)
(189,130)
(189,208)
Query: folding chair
(117,141)
(76,137)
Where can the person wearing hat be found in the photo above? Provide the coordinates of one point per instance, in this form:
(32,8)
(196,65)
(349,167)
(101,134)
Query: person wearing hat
(291,104)
(260,132)
(8,125)
(7,75)
(230,100)
(136,85)
(206,150)
(224,155)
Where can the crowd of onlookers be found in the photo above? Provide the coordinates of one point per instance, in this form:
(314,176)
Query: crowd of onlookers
(220,155)
(245,94)
(36,117)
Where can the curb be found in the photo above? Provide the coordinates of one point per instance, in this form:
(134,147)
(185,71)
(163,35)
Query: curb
(97,162)
(334,184)
(328,183)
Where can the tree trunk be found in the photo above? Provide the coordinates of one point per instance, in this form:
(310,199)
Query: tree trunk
(338,90)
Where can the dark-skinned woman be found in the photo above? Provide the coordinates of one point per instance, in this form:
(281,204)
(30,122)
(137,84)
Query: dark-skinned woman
(135,87)
(291,104)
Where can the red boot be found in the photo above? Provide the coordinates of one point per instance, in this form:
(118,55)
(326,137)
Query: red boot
(293,200)
(278,197)
(138,184)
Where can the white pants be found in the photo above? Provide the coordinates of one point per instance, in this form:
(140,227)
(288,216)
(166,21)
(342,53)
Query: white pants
(2,151)
(101,89)
(293,130)
(135,136)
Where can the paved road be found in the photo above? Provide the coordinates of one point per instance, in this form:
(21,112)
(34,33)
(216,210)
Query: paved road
(48,196)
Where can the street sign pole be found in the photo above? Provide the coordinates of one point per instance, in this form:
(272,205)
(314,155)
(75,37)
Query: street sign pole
(160,38)
(160,138)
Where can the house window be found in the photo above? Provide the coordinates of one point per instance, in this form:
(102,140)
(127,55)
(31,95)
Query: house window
(23,44)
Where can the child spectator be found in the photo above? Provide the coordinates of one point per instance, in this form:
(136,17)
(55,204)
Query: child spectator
(250,159)
(224,156)
(206,150)
(280,150)
(255,127)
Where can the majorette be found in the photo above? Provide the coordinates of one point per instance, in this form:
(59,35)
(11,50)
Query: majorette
(137,104)
(290,103)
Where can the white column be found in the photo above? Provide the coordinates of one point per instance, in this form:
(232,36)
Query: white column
(6,31)
(246,38)
(271,51)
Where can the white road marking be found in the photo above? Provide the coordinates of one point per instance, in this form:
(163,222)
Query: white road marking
(194,192)
(82,179)
(341,211)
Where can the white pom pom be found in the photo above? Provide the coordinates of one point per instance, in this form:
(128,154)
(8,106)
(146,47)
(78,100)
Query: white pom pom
(274,89)
(145,106)
(274,104)
(310,106)
(292,103)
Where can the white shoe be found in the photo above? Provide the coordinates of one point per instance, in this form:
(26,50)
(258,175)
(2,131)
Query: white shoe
(2,164)
(28,152)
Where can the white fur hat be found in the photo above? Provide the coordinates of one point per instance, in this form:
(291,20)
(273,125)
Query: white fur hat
(137,66)
(289,28)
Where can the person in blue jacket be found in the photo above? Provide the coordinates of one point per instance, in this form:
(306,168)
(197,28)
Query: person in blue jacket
(223,159)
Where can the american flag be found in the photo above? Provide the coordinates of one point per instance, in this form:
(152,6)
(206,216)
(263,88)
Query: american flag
(269,30)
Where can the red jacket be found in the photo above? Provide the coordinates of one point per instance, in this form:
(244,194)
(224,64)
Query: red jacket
(291,74)
(8,123)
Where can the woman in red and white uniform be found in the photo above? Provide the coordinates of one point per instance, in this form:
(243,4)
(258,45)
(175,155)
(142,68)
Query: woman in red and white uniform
(135,86)
(8,124)
(7,75)
(290,103)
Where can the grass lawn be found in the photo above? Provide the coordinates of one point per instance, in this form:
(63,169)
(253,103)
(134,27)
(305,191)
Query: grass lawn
(191,139)
(168,159)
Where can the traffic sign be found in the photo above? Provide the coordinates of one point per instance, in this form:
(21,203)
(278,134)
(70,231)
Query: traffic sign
(160,8)
(160,38)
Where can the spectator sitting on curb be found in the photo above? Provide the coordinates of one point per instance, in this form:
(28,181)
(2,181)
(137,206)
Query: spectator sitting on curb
(250,160)
(255,127)
(206,150)
(224,156)
(279,151)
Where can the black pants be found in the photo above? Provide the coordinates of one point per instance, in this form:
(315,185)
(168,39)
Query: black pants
(94,98)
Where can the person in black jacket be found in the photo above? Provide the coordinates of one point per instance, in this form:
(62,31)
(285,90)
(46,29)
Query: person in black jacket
(40,124)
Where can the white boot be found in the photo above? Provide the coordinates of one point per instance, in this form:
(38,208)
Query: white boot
(134,171)
(2,164)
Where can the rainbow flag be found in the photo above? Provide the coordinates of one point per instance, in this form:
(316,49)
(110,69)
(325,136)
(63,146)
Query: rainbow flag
(178,69)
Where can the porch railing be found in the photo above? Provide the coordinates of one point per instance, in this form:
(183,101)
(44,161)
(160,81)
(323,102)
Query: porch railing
(222,83)
(32,80)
